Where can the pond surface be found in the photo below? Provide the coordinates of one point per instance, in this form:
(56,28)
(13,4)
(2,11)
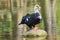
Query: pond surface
(21,38)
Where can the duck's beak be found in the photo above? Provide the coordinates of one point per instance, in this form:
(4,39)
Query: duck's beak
(39,7)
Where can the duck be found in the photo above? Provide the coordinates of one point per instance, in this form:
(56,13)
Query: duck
(32,19)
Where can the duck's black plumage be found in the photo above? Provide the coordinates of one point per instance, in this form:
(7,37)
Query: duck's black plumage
(31,19)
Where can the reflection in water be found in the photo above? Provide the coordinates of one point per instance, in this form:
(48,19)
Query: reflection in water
(5,36)
(34,38)
(10,38)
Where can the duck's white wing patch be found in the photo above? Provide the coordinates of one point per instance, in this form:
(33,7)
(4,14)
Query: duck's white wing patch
(27,19)
(40,17)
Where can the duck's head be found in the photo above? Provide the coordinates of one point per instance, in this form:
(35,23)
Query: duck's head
(36,8)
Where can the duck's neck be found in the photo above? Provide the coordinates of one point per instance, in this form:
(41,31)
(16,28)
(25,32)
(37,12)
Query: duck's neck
(36,11)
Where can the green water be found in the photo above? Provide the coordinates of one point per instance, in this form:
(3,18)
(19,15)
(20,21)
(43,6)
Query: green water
(10,38)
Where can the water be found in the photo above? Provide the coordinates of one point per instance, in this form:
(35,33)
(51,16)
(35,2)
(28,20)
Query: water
(8,37)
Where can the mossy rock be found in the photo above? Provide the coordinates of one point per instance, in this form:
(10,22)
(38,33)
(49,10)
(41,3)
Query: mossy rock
(35,33)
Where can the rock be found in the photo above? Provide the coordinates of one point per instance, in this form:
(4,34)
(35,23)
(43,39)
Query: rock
(35,33)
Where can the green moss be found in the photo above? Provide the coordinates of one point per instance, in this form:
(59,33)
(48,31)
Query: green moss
(34,33)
